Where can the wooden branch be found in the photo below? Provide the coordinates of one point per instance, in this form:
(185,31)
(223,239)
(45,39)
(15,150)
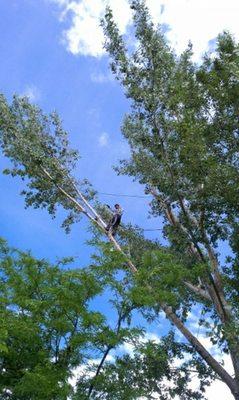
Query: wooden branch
(211,254)
(82,197)
(198,291)
(220,301)
(118,247)
(231,383)
(72,199)
(97,216)
(94,220)
(215,292)
(108,349)
(99,368)
(187,212)
(223,307)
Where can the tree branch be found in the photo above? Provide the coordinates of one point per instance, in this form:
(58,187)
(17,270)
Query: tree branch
(108,349)
(231,383)
(216,295)
(198,291)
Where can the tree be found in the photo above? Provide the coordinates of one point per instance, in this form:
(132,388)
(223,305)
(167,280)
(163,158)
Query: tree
(48,328)
(183,134)
(46,325)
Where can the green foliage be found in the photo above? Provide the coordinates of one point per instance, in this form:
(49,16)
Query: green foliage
(161,280)
(148,372)
(183,135)
(46,325)
(36,143)
(183,126)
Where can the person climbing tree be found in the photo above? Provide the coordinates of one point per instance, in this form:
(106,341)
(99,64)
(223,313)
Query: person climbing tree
(115,220)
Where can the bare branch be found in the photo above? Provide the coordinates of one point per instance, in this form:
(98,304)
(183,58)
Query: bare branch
(198,291)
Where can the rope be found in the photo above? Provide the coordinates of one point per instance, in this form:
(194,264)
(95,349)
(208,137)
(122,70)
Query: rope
(152,229)
(124,195)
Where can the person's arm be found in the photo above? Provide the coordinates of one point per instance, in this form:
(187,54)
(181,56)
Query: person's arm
(121,211)
(110,209)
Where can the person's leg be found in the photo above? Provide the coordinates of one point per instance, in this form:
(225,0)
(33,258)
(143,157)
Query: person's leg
(111,223)
(108,227)
(115,225)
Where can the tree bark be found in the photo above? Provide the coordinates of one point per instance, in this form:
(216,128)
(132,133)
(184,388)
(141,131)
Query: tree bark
(198,291)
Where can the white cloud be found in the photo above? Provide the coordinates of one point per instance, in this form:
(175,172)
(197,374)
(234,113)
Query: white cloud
(218,390)
(103,140)
(197,20)
(85,35)
(32,92)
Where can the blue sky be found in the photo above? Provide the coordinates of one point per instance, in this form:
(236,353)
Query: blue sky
(91,105)
(34,62)
(51,51)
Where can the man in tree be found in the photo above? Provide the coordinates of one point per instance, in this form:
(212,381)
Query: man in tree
(115,220)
